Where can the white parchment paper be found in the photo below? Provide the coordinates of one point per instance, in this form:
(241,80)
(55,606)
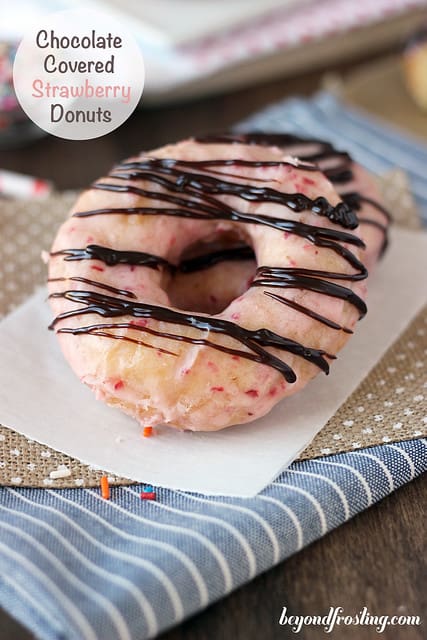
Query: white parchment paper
(41,398)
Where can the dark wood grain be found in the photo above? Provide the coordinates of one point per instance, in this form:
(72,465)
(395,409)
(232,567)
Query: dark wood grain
(378,558)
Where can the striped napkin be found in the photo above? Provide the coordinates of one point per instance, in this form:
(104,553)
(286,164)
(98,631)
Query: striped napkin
(77,567)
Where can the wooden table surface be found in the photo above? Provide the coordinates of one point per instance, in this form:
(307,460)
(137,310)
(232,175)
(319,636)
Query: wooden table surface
(378,559)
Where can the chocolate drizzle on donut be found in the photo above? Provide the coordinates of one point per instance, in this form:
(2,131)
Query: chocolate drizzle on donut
(111,257)
(310,280)
(202,187)
(341,173)
(309,312)
(97,284)
(255,341)
(189,192)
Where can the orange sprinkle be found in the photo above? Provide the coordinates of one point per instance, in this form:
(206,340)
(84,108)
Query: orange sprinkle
(105,488)
(147,432)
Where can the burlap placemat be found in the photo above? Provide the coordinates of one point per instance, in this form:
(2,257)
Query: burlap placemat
(389,405)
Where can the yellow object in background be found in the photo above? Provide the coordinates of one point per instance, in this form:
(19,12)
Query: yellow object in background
(415,67)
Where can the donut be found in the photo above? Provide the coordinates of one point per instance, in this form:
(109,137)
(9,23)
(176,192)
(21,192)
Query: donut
(355,185)
(352,182)
(200,283)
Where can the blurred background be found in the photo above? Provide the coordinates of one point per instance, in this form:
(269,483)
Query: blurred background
(210,63)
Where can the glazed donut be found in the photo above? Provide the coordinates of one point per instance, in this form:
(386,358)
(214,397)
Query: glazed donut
(352,182)
(191,211)
(355,185)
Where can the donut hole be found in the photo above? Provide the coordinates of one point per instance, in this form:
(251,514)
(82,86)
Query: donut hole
(212,273)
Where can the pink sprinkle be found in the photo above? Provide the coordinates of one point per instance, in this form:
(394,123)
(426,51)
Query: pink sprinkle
(212,365)
(96,268)
(185,372)
(235,316)
(307,247)
(139,323)
(308,181)
(253,393)
(217,388)
(286,234)
(89,239)
(292,263)
(272,391)
(39,185)
(119,385)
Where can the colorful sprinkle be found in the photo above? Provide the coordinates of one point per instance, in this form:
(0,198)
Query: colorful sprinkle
(147,432)
(105,488)
(148,495)
(253,393)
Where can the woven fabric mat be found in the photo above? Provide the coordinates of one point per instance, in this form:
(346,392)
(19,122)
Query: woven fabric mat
(388,406)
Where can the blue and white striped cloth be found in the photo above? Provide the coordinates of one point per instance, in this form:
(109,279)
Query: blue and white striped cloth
(76,567)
